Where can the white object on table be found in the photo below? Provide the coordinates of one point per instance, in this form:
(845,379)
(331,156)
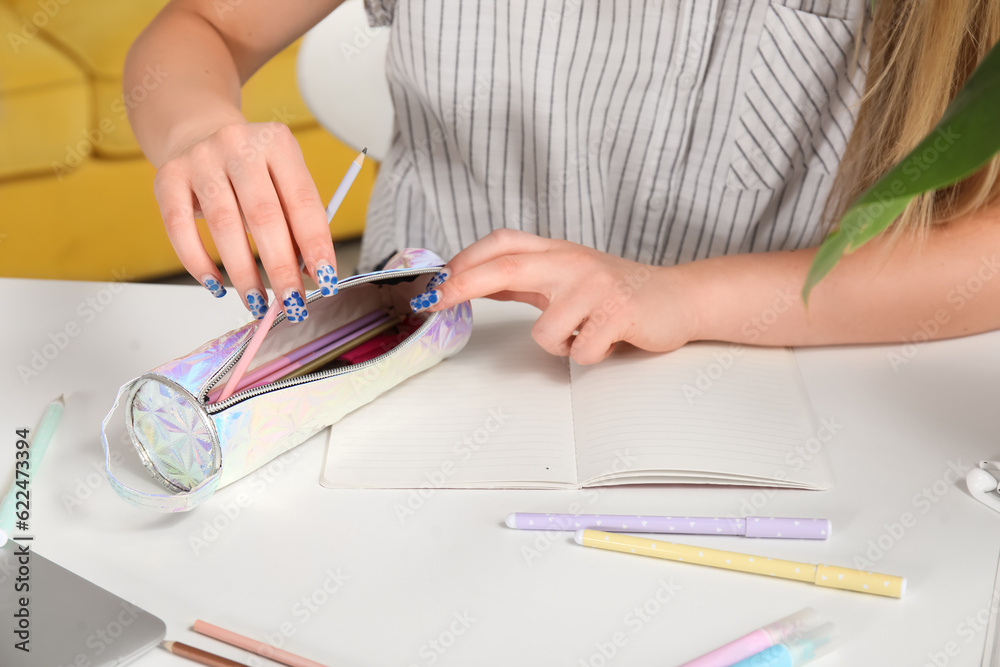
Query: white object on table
(560,424)
(384,577)
(982,484)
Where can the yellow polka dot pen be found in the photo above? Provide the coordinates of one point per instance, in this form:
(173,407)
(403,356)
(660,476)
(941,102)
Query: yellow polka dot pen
(822,575)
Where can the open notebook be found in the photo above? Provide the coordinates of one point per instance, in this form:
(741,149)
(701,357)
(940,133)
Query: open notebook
(504,413)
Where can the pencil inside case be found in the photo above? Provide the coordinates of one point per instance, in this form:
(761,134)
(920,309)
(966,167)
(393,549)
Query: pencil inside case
(385,332)
(191,445)
(382,343)
(307,355)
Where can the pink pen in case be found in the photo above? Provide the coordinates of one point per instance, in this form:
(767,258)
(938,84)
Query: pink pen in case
(259,334)
(759,640)
(756,526)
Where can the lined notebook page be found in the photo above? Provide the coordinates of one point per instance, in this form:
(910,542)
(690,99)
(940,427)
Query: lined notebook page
(496,414)
(698,414)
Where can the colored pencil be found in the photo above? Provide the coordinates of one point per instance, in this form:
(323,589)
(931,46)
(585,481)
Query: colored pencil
(336,344)
(332,355)
(253,377)
(258,337)
(254,646)
(338,196)
(199,656)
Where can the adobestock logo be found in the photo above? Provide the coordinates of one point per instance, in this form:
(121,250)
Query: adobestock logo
(47,9)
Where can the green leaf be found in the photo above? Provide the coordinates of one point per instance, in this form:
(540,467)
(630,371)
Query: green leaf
(827,256)
(965,139)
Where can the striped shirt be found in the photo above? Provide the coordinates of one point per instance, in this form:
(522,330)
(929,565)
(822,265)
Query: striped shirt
(662,131)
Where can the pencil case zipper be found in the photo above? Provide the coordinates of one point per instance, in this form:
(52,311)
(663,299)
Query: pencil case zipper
(214,408)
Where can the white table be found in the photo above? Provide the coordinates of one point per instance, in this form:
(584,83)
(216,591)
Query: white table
(386,593)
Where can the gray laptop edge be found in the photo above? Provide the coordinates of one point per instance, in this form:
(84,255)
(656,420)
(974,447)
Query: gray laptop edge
(62,619)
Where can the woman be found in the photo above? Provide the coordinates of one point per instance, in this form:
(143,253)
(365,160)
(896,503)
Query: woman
(649,172)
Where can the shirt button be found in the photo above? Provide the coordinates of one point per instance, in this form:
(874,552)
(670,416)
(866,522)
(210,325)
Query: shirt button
(685,81)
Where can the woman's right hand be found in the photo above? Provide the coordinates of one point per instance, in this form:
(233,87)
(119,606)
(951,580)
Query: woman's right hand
(248,177)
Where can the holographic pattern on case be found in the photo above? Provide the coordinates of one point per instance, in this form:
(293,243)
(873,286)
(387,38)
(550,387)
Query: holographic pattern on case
(255,430)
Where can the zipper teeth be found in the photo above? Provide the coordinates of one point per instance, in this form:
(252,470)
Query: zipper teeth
(212,408)
(233,360)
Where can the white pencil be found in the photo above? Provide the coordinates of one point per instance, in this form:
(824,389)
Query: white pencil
(345,185)
(338,196)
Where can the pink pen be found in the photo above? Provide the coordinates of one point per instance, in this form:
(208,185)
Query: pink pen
(258,337)
(758,640)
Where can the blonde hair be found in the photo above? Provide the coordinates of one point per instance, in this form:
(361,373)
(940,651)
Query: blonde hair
(921,53)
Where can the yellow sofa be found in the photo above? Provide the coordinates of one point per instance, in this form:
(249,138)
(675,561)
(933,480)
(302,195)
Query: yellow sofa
(76,196)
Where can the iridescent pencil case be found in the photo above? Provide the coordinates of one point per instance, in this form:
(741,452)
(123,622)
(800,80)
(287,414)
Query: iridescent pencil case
(192,446)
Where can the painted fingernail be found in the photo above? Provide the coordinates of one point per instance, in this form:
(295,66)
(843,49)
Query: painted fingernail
(256,303)
(326,278)
(438,278)
(214,286)
(422,302)
(295,306)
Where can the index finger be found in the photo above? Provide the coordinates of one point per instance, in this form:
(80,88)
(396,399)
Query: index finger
(306,213)
(496,244)
(507,273)
(269,228)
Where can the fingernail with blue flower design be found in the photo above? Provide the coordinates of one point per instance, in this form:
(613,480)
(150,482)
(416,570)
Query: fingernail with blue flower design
(295,306)
(438,278)
(213,286)
(422,302)
(256,303)
(326,278)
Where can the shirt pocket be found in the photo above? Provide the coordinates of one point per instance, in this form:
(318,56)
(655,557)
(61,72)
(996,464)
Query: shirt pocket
(797,112)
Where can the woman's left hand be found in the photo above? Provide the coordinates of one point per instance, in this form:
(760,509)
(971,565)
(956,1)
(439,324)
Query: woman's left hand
(589,300)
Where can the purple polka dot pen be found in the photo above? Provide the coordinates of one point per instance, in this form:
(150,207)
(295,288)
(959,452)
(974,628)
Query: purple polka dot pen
(757,526)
